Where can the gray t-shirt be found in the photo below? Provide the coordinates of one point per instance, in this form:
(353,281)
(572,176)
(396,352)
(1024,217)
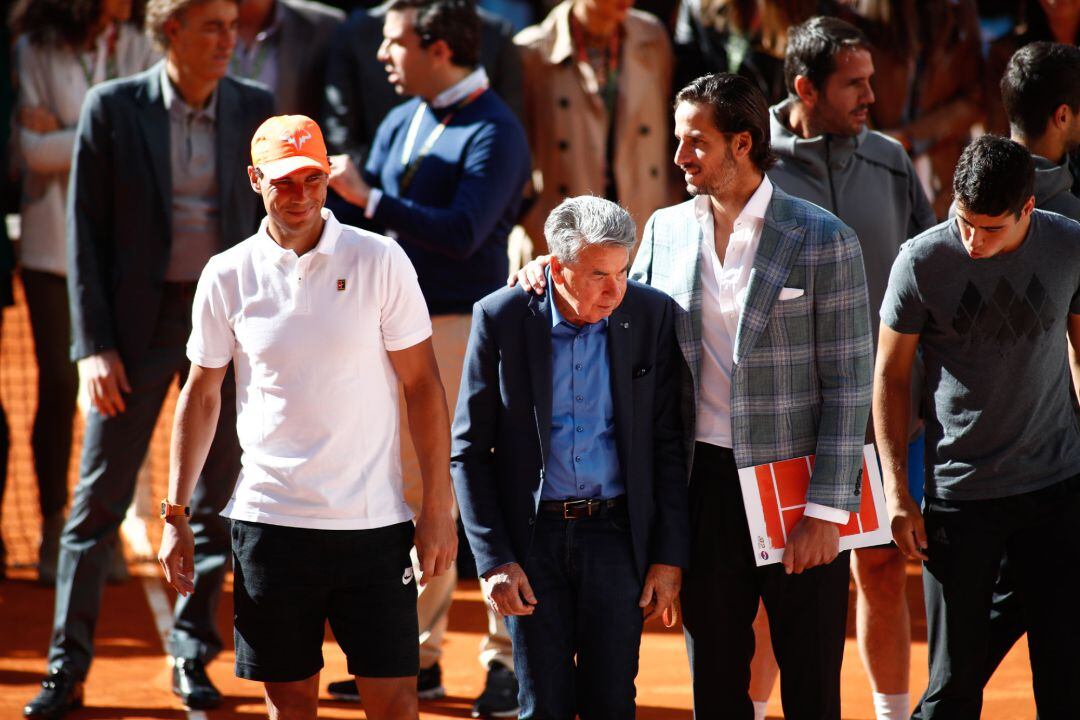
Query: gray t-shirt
(993,336)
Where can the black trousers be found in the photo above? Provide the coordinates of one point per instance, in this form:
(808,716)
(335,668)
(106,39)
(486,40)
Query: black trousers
(721,589)
(57,386)
(113,450)
(967,541)
(1007,622)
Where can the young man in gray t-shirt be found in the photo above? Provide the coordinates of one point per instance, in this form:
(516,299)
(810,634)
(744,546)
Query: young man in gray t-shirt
(992,298)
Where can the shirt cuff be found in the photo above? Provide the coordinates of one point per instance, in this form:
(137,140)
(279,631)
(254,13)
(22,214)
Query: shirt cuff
(823,512)
(373,198)
(497,568)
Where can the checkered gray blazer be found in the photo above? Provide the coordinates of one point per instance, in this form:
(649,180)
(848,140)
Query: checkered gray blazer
(803,371)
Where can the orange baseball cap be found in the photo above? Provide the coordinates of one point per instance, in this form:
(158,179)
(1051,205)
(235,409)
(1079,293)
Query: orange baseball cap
(287,143)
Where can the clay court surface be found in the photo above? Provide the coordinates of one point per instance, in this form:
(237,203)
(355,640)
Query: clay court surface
(130,677)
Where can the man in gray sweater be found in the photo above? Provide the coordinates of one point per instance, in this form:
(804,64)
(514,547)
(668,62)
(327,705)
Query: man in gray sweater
(1040,91)
(1041,94)
(829,157)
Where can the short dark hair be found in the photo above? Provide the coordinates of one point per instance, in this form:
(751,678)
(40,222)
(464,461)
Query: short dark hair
(1040,78)
(812,47)
(993,176)
(737,106)
(455,22)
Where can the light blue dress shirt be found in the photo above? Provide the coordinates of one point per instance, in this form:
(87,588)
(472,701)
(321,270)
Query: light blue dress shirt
(583,461)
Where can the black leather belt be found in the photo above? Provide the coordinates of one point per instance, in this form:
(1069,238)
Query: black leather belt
(578,508)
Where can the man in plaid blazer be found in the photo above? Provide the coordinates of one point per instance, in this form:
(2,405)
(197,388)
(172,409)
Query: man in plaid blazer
(773,321)
(772,317)
(801,386)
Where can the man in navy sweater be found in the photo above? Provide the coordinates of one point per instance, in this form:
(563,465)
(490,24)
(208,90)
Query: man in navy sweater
(444,177)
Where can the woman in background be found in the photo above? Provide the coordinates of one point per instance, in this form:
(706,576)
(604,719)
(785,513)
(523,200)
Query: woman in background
(62,49)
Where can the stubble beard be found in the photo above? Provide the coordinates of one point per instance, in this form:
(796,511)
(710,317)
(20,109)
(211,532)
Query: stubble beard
(721,181)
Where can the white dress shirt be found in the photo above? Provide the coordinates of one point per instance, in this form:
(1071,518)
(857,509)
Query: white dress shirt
(723,295)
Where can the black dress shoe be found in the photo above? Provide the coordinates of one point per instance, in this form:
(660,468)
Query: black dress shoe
(60,692)
(499,698)
(344,690)
(192,686)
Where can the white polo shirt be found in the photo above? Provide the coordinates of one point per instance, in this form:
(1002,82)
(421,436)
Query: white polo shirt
(316,396)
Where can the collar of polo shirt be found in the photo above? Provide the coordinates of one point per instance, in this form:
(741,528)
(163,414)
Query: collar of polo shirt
(327,241)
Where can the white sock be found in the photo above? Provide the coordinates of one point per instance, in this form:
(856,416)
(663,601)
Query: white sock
(759,709)
(892,707)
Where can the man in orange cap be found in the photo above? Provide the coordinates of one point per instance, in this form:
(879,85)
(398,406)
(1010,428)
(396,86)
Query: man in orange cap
(321,322)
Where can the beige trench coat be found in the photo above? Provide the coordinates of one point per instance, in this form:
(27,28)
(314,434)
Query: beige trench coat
(567,122)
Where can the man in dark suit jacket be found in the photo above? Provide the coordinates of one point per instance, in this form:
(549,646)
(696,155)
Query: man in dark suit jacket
(569,466)
(284,45)
(158,185)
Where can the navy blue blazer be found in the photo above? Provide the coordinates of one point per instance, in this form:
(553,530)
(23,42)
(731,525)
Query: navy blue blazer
(502,427)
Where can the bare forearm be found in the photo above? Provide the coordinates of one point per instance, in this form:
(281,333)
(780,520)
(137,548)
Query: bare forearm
(429,426)
(891,421)
(193,432)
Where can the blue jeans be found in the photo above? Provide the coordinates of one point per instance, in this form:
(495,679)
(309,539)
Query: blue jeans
(577,654)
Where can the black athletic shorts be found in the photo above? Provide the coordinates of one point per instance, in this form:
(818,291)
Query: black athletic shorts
(289,581)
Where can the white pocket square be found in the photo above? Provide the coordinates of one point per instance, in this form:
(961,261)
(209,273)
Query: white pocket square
(791,294)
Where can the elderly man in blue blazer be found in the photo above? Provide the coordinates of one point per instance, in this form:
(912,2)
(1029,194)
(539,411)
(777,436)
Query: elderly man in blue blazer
(568,463)
(772,318)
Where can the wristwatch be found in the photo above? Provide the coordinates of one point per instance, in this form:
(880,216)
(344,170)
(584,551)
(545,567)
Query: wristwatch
(169,510)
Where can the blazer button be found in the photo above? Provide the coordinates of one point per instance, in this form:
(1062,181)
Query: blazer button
(532,520)
(564,102)
(644,129)
(654,171)
(563,190)
(563,145)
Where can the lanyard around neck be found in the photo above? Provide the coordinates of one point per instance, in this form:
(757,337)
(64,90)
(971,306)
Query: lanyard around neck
(255,67)
(412,164)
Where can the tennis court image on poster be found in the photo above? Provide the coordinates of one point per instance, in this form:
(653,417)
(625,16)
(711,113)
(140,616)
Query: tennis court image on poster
(775,498)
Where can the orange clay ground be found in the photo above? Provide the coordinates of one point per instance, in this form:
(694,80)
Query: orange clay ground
(130,678)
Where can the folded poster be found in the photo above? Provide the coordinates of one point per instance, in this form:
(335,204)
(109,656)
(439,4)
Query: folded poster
(775,497)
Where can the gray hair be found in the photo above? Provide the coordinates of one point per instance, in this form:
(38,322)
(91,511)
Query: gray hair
(587,220)
(158,13)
